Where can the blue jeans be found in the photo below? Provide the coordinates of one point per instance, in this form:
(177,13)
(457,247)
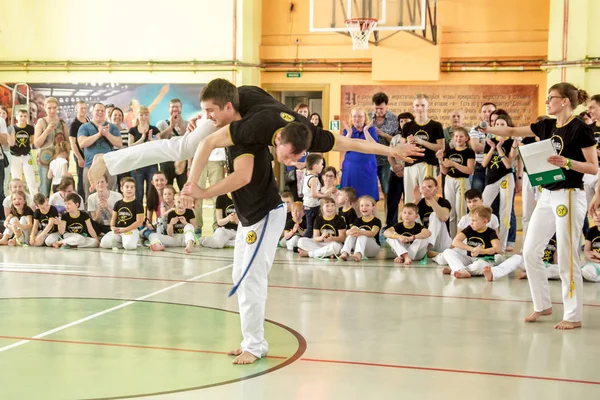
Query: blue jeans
(395,191)
(383,173)
(140,176)
(44,181)
(478,178)
(310,214)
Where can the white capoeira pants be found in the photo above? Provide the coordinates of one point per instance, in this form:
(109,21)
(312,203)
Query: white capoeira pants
(364,245)
(23,165)
(77,240)
(221,237)
(506,188)
(128,240)
(178,148)
(590,272)
(22,221)
(440,239)
(413,176)
(177,240)
(560,211)
(290,243)
(416,250)
(254,252)
(589,186)
(513,263)
(454,192)
(529,195)
(51,239)
(459,261)
(319,249)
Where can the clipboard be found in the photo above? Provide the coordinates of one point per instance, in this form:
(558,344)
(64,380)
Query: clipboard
(535,162)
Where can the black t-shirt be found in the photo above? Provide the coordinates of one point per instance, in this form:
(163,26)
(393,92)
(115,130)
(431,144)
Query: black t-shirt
(289,225)
(568,140)
(73,129)
(137,135)
(226,204)
(593,236)
(425,209)
(496,169)
(23,140)
(461,157)
(256,199)
(178,226)
(479,239)
(369,225)
(430,132)
(403,230)
(529,140)
(76,224)
(349,215)
(43,219)
(27,211)
(127,212)
(333,225)
(263,117)
(550,250)
(596,131)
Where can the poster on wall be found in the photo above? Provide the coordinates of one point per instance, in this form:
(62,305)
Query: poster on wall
(126,96)
(520,101)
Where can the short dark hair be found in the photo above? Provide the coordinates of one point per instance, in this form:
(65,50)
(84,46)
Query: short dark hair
(65,182)
(73,197)
(489,104)
(380,98)
(287,195)
(432,179)
(412,206)
(298,135)
(312,159)
(221,92)
(473,194)
(406,115)
(175,100)
(350,192)
(126,179)
(23,111)
(39,199)
(595,98)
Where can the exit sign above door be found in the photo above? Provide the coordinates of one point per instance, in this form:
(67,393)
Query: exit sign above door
(293,75)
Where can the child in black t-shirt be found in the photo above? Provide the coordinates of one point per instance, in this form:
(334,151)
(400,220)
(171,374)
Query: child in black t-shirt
(75,226)
(346,199)
(328,236)
(481,241)
(227,223)
(19,221)
(591,269)
(363,236)
(127,217)
(180,229)
(408,238)
(294,227)
(45,223)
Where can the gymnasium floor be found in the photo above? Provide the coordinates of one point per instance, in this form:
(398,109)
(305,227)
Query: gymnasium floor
(91,324)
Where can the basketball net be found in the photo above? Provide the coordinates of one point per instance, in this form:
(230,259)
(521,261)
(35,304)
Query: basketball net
(360,30)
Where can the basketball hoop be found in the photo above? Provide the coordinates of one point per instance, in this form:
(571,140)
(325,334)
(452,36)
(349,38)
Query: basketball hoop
(360,29)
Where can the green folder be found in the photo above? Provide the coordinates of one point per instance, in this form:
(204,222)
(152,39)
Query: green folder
(540,171)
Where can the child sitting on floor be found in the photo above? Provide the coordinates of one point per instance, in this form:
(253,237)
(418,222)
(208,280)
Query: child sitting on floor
(328,235)
(408,238)
(180,229)
(45,223)
(481,241)
(227,223)
(19,221)
(346,199)
(75,226)
(363,236)
(294,228)
(127,217)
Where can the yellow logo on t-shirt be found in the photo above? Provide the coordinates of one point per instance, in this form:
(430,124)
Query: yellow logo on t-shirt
(286,117)
(124,215)
(251,237)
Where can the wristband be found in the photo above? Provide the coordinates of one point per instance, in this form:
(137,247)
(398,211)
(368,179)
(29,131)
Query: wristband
(568,164)
(519,177)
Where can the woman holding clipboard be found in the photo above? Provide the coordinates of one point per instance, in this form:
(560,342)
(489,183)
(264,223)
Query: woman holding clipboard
(562,205)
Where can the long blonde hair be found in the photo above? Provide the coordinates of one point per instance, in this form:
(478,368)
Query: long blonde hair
(142,109)
(355,110)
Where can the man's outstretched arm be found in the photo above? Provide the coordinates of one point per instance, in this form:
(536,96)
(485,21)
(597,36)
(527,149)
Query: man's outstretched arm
(404,152)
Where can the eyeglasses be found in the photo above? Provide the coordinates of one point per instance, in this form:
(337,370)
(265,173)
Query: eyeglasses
(329,176)
(549,99)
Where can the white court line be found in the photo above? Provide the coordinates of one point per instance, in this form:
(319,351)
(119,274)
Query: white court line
(98,314)
(41,270)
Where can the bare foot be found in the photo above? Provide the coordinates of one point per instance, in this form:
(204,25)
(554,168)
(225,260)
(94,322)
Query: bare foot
(245,358)
(535,315)
(97,170)
(188,248)
(344,256)
(332,257)
(462,274)
(56,245)
(399,260)
(523,275)
(12,242)
(509,249)
(357,257)
(235,352)
(565,325)
(432,253)
(446,270)
(159,247)
(302,253)
(407,260)
(487,272)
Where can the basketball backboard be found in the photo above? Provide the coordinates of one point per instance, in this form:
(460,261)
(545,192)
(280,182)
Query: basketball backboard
(393,15)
